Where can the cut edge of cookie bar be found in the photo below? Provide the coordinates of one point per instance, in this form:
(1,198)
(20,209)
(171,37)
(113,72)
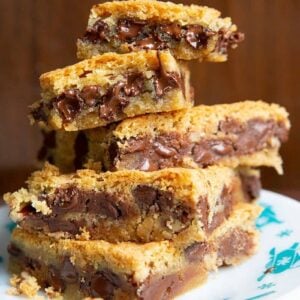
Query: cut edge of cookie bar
(131,205)
(204,35)
(248,132)
(151,268)
(111,87)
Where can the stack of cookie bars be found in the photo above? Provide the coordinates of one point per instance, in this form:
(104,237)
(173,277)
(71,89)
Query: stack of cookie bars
(145,194)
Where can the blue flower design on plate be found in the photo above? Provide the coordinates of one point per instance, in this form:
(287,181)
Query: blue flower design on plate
(268,216)
(282,261)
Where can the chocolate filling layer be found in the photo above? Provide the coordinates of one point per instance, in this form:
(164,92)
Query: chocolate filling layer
(68,203)
(105,283)
(147,200)
(110,104)
(152,35)
(169,149)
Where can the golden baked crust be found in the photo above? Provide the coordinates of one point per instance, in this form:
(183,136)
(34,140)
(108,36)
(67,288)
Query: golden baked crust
(181,204)
(139,265)
(90,93)
(159,12)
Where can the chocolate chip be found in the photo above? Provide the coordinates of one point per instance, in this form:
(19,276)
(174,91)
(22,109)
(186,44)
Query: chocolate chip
(207,152)
(98,32)
(163,151)
(69,104)
(166,81)
(129,29)
(196,251)
(64,199)
(14,250)
(104,204)
(134,85)
(104,283)
(166,32)
(145,196)
(90,94)
(68,272)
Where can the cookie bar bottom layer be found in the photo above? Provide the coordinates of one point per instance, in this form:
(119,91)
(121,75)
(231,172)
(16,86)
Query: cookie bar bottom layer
(125,270)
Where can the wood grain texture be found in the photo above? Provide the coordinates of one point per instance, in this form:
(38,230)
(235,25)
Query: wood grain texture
(39,35)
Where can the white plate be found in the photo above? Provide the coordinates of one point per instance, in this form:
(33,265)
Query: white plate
(279,252)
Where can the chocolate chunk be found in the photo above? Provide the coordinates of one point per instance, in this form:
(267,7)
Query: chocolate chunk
(251,186)
(166,32)
(14,250)
(98,32)
(129,29)
(64,199)
(134,84)
(166,81)
(196,251)
(68,272)
(164,151)
(254,137)
(91,95)
(104,283)
(113,102)
(104,204)
(81,148)
(69,104)
(207,152)
(145,196)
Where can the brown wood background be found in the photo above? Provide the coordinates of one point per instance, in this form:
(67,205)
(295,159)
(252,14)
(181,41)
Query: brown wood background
(39,35)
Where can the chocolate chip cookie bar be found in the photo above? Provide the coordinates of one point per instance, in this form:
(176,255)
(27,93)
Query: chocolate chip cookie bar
(111,87)
(246,133)
(157,270)
(131,205)
(190,32)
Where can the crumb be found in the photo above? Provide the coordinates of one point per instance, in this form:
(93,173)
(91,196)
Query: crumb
(52,294)
(23,284)
(84,234)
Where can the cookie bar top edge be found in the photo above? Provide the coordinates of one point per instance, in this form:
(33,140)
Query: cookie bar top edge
(169,11)
(200,116)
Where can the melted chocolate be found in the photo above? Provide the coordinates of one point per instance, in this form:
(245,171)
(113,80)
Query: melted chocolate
(169,150)
(158,36)
(111,104)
